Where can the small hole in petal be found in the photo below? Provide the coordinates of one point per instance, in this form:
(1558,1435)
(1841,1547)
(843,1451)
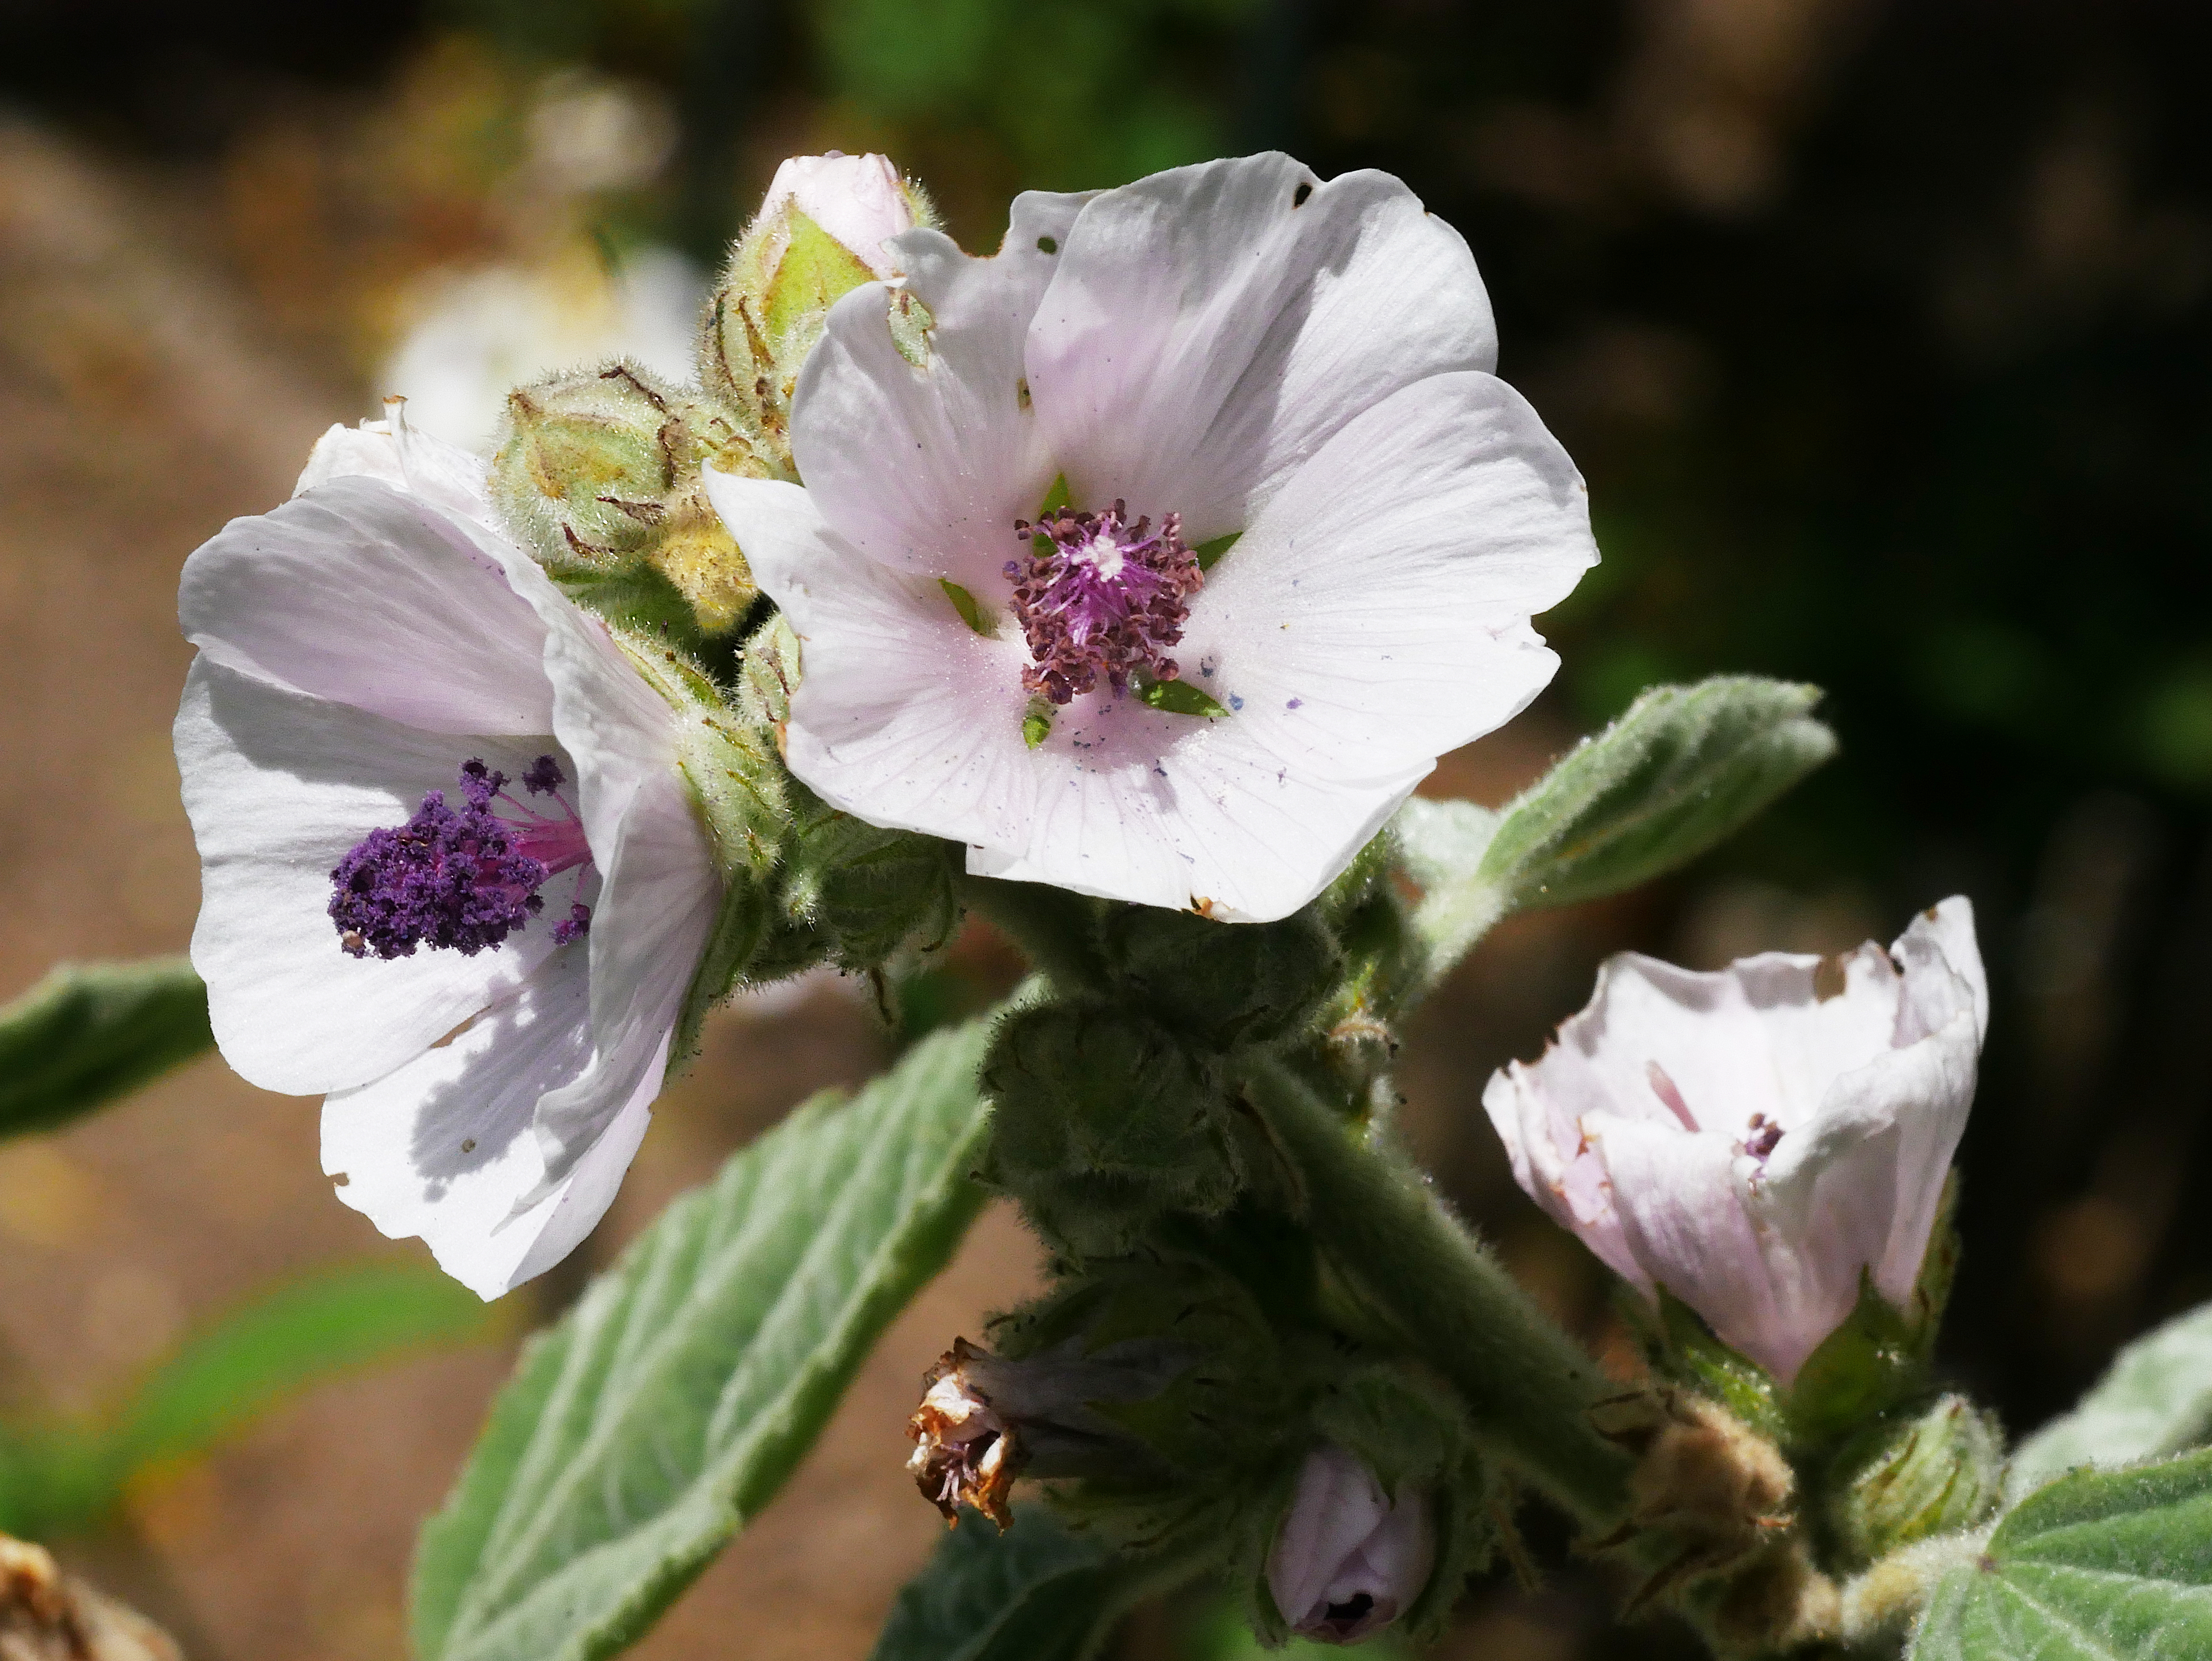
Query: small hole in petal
(1298,196)
(1048,245)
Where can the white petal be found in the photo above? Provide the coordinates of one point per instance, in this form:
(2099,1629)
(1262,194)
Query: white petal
(1943,971)
(857,199)
(401,455)
(927,469)
(1537,1111)
(1376,613)
(904,716)
(1678,1198)
(1206,333)
(367,597)
(442,1148)
(278,786)
(1336,1506)
(661,888)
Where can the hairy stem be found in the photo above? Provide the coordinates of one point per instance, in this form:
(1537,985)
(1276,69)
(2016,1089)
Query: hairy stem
(1529,1386)
(1056,930)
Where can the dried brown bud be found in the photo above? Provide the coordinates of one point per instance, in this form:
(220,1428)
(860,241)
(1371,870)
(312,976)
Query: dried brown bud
(1709,1479)
(45,1615)
(964,1453)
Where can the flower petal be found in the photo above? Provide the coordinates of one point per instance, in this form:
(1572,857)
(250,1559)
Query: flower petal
(278,786)
(662,889)
(364,596)
(442,1148)
(1211,327)
(1375,614)
(927,469)
(904,716)
(411,460)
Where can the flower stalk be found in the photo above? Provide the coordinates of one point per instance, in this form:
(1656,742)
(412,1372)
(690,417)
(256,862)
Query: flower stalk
(1529,1388)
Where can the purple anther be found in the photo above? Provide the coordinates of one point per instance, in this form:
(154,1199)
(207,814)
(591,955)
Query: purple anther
(457,880)
(1098,597)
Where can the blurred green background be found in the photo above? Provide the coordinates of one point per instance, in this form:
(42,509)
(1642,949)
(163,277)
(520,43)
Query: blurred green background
(1880,331)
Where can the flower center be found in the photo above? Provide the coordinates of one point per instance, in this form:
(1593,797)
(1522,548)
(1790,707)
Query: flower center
(461,879)
(1098,598)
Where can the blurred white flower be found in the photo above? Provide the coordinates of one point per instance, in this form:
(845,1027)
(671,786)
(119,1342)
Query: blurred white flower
(1232,351)
(1756,1138)
(1348,1559)
(478,334)
(490,1052)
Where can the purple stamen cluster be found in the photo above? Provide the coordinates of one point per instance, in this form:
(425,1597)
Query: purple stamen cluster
(459,878)
(1098,597)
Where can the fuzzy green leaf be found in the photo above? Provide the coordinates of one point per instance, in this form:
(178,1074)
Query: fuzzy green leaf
(1680,772)
(90,1033)
(1034,1594)
(665,1409)
(70,1475)
(2156,1400)
(2098,1566)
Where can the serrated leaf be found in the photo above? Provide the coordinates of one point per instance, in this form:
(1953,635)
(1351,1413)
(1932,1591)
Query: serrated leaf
(2156,1400)
(668,1407)
(90,1033)
(70,1475)
(2100,1566)
(1681,771)
(1034,1593)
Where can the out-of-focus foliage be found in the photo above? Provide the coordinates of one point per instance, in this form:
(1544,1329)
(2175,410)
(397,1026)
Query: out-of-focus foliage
(69,1474)
(89,1032)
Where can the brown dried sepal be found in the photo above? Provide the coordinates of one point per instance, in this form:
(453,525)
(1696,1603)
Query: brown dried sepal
(1716,1485)
(46,1616)
(964,1453)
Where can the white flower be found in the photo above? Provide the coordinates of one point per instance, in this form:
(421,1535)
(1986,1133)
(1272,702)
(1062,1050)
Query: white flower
(1231,350)
(1347,1560)
(859,199)
(1753,1140)
(358,646)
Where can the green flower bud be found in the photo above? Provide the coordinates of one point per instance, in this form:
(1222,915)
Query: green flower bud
(819,235)
(587,461)
(1223,984)
(1104,1121)
(1913,1474)
(865,890)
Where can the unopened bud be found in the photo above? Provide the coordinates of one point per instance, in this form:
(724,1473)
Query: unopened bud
(1347,1558)
(1914,1475)
(701,562)
(820,233)
(586,462)
(1223,985)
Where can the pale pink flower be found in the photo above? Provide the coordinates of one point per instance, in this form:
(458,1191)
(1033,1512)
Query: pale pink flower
(1238,350)
(1347,1558)
(1755,1140)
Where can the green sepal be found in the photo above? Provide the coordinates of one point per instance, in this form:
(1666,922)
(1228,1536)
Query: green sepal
(737,779)
(587,460)
(1056,496)
(1879,1356)
(1912,1474)
(1210,551)
(637,597)
(1037,720)
(767,674)
(816,271)
(970,609)
(1175,697)
(867,890)
(1682,1348)
(733,950)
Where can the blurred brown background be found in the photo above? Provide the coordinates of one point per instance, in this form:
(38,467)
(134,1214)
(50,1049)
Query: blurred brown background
(1880,331)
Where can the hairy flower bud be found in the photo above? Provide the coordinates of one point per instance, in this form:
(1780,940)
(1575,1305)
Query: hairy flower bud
(1221,985)
(1104,1121)
(820,233)
(1349,1558)
(1912,1475)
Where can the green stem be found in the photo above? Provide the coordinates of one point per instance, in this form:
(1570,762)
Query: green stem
(1056,930)
(1529,1386)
